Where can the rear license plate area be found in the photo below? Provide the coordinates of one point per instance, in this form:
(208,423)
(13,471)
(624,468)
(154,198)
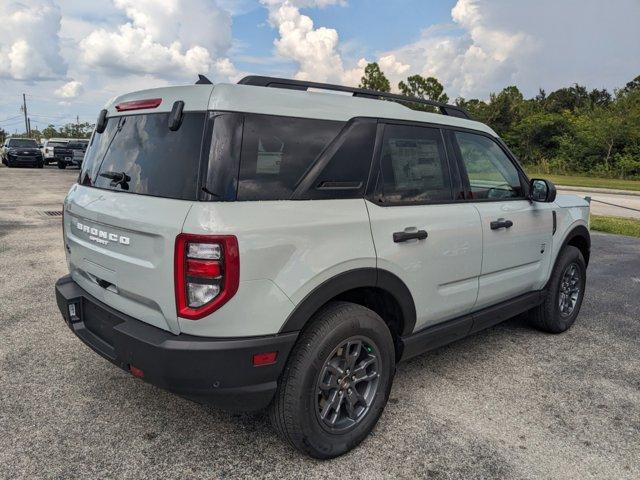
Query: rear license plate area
(99,321)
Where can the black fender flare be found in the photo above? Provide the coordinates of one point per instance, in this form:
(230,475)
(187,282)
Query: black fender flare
(345,281)
(579,231)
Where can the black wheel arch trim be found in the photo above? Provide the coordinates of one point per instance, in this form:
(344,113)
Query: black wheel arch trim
(349,280)
(578,231)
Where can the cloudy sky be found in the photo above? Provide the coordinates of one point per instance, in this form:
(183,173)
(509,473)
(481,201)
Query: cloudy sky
(71,56)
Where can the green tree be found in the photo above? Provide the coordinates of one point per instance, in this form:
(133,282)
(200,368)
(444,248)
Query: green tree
(632,85)
(503,109)
(571,98)
(374,79)
(476,108)
(427,88)
(50,132)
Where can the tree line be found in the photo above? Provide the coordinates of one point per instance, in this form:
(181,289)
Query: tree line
(572,130)
(69,130)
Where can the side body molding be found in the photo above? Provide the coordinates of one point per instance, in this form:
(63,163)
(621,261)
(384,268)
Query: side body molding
(359,278)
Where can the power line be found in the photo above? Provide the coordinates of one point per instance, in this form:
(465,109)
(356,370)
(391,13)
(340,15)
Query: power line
(11,118)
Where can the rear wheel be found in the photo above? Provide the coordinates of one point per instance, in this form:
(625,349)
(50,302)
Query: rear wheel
(564,294)
(336,382)
(40,164)
(61,165)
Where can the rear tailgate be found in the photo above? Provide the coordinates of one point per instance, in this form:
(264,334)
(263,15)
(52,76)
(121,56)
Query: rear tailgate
(139,179)
(120,249)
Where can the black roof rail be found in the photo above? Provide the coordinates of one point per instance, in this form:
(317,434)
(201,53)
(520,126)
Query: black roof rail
(273,82)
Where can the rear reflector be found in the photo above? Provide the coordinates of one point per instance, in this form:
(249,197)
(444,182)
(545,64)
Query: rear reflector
(266,358)
(138,104)
(136,372)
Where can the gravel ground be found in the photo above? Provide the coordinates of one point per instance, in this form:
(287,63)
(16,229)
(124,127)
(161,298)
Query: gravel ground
(509,402)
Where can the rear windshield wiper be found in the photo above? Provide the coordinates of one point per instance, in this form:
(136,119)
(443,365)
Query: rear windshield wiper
(118,178)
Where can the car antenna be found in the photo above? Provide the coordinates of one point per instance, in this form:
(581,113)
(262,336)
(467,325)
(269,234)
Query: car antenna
(202,80)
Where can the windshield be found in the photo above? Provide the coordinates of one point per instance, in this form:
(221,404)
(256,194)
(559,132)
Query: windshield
(139,154)
(22,143)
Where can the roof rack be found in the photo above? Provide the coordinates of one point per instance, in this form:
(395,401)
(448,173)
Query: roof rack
(273,82)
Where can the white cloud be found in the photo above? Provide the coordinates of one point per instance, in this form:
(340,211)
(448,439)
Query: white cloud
(167,38)
(69,90)
(546,44)
(316,49)
(29,41)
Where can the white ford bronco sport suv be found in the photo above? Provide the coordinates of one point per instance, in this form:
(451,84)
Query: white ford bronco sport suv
(277,244)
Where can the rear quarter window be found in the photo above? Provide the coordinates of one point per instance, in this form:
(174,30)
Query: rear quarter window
(277,151)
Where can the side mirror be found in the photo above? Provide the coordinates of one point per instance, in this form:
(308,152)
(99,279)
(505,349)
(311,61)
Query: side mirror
(101,124)
(541,190)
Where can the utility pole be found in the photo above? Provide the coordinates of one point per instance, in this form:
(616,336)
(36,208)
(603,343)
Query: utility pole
(78,126)
(29,127)
(24,109)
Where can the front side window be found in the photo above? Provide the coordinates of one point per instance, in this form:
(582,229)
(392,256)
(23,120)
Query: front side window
(277,151)
(491,173)
(413,164)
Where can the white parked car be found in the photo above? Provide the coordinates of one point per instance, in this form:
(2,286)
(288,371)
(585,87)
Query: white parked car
(48,148)
(261,245)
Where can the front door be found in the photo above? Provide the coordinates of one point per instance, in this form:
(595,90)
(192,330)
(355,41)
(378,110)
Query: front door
(517,233)
(420,234)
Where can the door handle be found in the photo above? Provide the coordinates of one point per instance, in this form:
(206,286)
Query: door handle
(404,236)
(501,223)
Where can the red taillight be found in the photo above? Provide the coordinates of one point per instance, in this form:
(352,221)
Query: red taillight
(266,358)
(207,273)
(203,268)
(138,104)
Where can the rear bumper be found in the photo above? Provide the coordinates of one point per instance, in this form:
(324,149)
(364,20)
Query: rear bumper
(62,158)
(215,371)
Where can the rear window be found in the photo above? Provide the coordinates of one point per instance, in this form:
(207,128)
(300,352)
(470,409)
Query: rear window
(277,151)
(139,154)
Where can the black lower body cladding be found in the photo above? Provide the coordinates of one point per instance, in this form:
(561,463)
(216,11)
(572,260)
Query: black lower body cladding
(216,371)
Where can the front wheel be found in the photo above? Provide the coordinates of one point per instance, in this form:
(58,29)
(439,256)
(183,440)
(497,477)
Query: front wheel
(336,382)
(564,294)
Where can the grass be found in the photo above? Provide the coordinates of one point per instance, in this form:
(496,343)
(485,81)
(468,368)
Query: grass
(617,225)
(577,181)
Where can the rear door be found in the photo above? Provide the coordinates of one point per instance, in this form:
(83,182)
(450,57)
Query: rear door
(137,184)
(421,232)
(517,233)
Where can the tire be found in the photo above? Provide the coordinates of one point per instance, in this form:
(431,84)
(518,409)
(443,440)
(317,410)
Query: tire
(296,410)
(550,316)
(61,165)
(40,165)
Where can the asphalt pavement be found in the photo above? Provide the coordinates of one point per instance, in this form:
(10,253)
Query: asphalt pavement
(509,402)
